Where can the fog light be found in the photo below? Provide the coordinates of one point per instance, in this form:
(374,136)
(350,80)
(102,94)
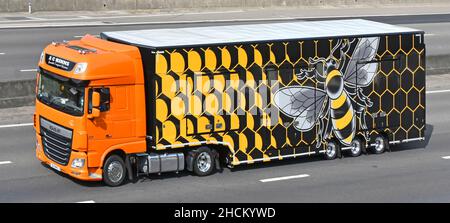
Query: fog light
(78,163)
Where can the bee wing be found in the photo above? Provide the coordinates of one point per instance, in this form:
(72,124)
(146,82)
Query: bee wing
(365,51)
(302,103)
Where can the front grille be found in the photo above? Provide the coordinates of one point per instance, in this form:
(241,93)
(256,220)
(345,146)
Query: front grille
(56,146)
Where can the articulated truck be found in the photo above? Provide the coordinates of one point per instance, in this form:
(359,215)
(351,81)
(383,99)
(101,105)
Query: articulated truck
(140,102)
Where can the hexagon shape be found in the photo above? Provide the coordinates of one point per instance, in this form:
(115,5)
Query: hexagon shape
(406,80)
(407,42)
(279,132)
(240,155)
(419,80)
(271,151)
(379,84)
(286,150)
(393,119)
(399,134)
(376,101)
(393,43)
(413,99)
(413,60)
(400,100)
(413,132)
(419,117)
(386,67)
(256,154)
(309,136)
(308,49)
(263,131)
(250,136)
(393,82)
(407,118)
(387,102)
(400,63)
(294,136)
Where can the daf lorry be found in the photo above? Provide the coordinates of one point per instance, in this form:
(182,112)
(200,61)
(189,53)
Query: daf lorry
(137,102)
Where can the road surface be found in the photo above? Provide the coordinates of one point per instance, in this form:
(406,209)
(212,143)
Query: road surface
(414,172)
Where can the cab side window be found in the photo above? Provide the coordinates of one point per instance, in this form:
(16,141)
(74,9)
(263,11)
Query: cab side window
(104,99)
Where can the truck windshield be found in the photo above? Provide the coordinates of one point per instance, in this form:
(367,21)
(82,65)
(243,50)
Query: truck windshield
(61,93)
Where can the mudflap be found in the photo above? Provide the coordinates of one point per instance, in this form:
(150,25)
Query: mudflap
(131,175)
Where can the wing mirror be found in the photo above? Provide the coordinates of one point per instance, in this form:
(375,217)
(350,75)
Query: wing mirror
(95,105)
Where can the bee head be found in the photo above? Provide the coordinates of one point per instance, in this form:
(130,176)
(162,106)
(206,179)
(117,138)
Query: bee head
(330,65)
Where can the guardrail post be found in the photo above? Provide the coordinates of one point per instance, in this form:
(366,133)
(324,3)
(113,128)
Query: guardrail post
(29,7)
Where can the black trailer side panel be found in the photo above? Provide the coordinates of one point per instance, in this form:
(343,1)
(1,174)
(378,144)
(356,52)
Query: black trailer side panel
(384,81)
(398,90)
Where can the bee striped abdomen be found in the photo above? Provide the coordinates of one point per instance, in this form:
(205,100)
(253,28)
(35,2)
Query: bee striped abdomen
(343,118)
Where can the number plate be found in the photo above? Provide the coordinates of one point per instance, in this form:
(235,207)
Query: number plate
(55,167)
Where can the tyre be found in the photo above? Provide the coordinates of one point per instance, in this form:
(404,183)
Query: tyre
(114,171)
(381,144)
(204,161)
(357,146)
(331,150)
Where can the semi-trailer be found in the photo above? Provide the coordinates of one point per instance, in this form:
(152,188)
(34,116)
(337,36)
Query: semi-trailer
(138,102)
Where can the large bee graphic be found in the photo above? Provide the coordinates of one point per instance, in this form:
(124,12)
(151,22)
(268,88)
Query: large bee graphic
(338,94)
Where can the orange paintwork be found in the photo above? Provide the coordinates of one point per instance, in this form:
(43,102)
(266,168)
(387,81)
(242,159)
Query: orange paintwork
(118,67)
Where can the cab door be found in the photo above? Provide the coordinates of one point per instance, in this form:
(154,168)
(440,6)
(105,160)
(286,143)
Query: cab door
(116,122)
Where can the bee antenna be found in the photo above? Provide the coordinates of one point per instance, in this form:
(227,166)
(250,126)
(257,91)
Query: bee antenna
(338,44)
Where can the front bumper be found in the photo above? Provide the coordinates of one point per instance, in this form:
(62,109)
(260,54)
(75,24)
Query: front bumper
(84,173)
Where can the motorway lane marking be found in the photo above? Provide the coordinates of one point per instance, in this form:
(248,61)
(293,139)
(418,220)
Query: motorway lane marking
(86,202)
(2,53)
(15,125)
(28,70)
(284,178)
(5,162)
(438,91)
(430,34)
(446,157)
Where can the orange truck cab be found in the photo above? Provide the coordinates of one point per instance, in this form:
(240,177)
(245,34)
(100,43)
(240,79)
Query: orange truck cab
(89,105)
(95,114)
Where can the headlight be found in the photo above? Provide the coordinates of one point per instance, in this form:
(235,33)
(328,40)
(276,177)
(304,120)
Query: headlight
(78,163)
(80,68)
(41,59)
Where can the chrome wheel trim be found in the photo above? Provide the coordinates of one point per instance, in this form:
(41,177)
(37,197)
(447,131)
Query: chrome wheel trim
(331,150)
(379,144)
(356,147)
(204,162)
(115,171)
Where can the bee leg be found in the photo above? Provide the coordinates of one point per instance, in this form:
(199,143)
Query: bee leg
(319,134)
(362,118)
(364,98)
(328,129)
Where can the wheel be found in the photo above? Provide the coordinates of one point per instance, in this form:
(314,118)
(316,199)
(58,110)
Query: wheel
(357,146)
(381,144)
(203,161)
(114,171)
(331,150)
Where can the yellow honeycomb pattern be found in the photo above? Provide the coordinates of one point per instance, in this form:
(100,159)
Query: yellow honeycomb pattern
(222,95)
